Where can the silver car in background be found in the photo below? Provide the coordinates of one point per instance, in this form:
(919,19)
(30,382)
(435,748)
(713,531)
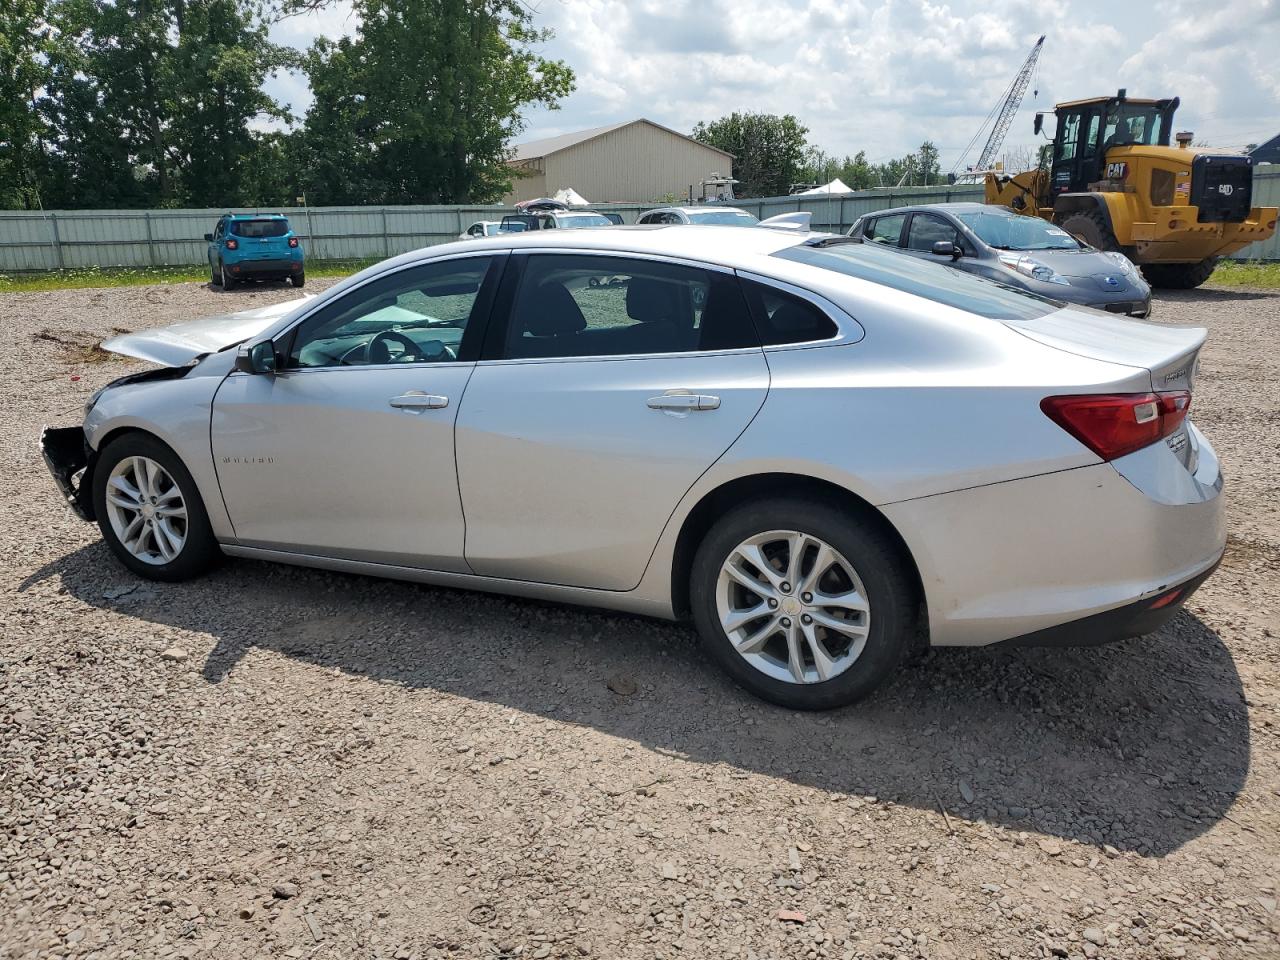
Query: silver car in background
(821,452)
(1011,248)
(718,216)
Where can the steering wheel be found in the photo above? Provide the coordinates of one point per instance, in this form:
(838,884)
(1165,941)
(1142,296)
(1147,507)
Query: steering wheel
(380,348)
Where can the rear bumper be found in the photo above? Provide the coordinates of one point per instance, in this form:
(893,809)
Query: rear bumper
(283,267)
(1132,620)
(69,458)
(1043,556)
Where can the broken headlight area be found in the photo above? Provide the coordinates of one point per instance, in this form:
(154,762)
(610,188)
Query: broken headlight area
(70,459)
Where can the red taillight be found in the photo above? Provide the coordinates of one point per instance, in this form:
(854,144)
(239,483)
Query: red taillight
(1113,424)
(293,241)
(232,245)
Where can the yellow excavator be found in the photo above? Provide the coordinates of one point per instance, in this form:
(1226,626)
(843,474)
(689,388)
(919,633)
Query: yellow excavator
(1113,181)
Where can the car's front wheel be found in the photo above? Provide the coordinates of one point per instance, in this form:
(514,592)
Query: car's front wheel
(150,511)
(802,603)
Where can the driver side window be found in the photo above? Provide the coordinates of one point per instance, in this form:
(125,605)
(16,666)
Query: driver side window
(418,315)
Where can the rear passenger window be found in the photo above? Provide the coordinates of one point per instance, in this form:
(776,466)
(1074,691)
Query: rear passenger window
(783,318)
(886,230)
(573,305)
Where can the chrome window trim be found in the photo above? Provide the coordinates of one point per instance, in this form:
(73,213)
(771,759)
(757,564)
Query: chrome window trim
(848,329)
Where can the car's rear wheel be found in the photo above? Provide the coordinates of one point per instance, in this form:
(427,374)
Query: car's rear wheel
(299,278)
(150,511)
(802,603)
(224,278)
(214,279)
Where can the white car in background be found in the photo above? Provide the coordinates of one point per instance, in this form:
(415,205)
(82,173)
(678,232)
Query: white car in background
(481,228)
(707,216)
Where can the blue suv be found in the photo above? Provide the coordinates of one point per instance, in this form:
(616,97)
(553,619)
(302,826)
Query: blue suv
(254,247)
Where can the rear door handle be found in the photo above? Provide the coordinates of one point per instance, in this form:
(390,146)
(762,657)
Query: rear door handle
(684,402)
(417,400)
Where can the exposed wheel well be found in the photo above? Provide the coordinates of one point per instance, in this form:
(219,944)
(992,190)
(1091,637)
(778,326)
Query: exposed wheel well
(757,487)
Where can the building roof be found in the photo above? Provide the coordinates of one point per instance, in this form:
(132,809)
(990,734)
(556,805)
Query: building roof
(1268,152)
(535,149)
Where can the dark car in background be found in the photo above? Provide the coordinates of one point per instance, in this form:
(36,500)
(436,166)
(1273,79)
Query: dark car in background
(260,246)
(1018,251)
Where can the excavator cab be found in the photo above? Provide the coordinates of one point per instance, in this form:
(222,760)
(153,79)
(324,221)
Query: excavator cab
(1087,129)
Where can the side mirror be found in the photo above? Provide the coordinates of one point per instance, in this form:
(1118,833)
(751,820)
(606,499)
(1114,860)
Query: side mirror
(1039,123)
(945,248)
(208,237)
(259,358)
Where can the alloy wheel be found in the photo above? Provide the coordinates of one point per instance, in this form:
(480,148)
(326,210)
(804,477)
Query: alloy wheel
(793,607)
(146,510)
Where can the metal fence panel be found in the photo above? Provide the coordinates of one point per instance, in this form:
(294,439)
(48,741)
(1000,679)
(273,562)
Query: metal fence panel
(49,240)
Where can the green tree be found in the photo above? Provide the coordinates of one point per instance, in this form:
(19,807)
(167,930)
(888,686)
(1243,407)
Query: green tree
(769,151)
(25,41)
(150,101)
(420,105)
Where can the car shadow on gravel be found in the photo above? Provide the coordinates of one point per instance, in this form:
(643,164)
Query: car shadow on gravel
(1141,745)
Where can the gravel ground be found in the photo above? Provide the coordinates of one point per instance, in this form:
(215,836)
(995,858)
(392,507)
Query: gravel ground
(277,762)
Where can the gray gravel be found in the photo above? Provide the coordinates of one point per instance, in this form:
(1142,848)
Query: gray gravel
(277,762)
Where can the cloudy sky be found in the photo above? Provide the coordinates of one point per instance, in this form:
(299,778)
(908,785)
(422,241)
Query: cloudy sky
(883,75)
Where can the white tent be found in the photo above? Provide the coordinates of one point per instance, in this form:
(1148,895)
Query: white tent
(835,186)
(571,197)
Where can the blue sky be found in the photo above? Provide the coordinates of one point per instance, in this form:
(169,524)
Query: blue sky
(883,75)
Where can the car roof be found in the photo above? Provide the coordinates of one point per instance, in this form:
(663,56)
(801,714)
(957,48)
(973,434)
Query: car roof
(723,245)
(702,209)
(959,206)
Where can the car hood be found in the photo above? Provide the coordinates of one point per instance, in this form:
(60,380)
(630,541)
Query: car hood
(1084,263)
(181,343)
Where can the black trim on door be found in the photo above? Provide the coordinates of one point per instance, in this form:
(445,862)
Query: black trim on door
(495,336)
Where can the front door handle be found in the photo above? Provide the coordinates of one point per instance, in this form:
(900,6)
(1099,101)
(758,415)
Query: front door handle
(683,402)
(417,400)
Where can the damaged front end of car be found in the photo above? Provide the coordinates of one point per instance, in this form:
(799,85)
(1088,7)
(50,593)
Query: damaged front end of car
(69,458)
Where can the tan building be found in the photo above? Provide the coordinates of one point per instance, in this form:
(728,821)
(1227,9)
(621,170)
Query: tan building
(634,162)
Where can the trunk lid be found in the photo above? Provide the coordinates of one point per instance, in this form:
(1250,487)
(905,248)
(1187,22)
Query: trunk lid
(181,343)
(1167,352)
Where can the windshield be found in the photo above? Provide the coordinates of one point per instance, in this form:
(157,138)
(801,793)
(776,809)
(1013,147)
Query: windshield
(584,220)
(732,218)
(259,228)
(1006,232)
(1129,123)
(932,281)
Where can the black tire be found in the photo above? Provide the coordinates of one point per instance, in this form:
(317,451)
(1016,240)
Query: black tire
(200,551)
(878,563)
(1091,227)
(214,279)
(1179,276)
(299,278)
(228,283)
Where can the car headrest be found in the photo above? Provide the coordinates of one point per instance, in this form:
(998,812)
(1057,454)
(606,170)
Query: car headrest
(551,312)
(650,300)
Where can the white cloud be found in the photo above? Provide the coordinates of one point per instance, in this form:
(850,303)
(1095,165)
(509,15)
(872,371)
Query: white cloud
(884,75)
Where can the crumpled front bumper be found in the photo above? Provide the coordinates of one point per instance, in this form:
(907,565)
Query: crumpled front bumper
(70,459)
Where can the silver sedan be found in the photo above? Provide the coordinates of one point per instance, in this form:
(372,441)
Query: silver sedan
(822,453)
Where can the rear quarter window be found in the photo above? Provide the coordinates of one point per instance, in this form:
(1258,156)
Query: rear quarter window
(931,281)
